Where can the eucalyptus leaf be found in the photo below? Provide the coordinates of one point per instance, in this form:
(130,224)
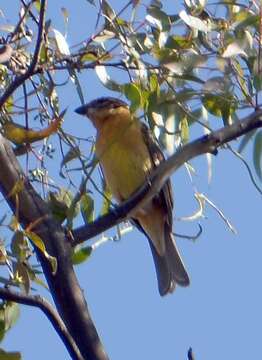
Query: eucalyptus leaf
(87,208)
(257,154)
(81,254)
(106,80)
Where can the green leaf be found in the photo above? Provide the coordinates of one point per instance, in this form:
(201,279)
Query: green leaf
(81,254)
(251,20)
(73,153)
(257,82)
(107,10)
(33,277)
(87,208)
(12,312)
(107,196)
(221,106)
(158,18)
(2,325)
(14,355)
(18,245)
(38,242)
(133,93)
(257,154)
(154,83)
(60,203)
(37,4)
(186,63)
(22,277)
(184,130)
(179,42)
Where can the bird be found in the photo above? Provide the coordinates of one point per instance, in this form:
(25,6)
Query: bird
(128,152)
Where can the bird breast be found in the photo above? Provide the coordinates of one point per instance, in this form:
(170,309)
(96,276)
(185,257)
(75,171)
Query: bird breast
(124,158)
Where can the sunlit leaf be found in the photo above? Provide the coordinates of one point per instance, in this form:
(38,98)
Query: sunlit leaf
(219,105)
(107,196)
(219,99)
(154,83)
(22,277)
(234,49)
(194,22)
(104,36)
(107,10)
(184,130)
(169,136)
(87,208)
(11,313)
(60,203)
(188,61)
(249,19)
(178,42)
(133,93)
(19,245)
(158,18)
(38,242)
(7,28)
(37,4)
(61,43)
(65,14)
(81,254)
(19,134)
(73,153)
(17,188)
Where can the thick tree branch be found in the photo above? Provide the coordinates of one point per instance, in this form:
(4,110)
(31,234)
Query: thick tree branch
(49,311)
(206,144)
(63,285)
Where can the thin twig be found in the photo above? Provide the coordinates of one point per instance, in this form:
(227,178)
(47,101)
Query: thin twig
(19,80)
(240,157)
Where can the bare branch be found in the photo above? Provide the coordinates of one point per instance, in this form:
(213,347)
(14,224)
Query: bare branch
(50,312)
(206,144)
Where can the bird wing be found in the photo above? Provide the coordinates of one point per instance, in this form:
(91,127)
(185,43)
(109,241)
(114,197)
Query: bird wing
(165,196)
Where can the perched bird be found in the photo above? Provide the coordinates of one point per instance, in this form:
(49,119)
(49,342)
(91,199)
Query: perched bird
(128,152)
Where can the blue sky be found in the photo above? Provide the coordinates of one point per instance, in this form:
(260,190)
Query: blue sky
(219,315)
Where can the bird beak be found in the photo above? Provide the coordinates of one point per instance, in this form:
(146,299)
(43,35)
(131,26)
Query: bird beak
(82,110)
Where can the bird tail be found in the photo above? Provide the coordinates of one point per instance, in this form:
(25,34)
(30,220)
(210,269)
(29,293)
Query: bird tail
(170,269)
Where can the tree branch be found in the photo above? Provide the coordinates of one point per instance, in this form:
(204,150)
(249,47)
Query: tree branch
(190,354)
(19,80)
(49,311)
(64,287)
(206,144)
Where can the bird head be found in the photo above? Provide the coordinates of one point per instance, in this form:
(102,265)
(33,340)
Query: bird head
(100,109)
